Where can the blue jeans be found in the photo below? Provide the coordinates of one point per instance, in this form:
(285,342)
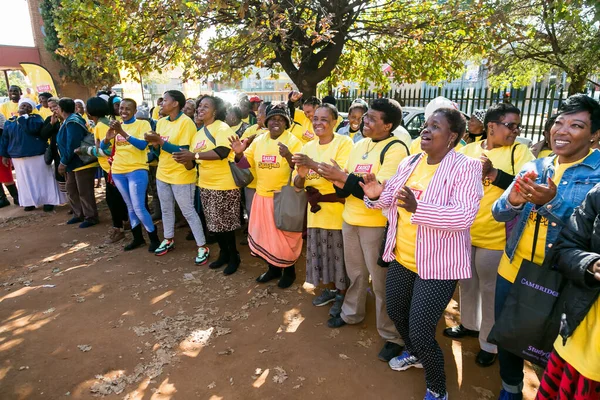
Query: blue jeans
(132,187)
(511,366)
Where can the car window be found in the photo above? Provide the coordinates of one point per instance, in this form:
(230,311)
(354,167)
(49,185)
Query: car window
(415,125)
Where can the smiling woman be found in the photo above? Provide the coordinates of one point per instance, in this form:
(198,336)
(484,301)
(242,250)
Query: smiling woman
(542,197)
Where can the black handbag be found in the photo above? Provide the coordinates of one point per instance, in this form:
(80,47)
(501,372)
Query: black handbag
(530,320)
(48,155)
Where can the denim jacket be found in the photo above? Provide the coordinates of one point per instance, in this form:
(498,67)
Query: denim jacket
(576,182)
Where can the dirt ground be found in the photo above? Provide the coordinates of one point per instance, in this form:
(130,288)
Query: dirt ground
(80,319)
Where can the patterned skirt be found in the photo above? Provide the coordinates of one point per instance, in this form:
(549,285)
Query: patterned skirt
(325,258)
(221,209)
(563,382)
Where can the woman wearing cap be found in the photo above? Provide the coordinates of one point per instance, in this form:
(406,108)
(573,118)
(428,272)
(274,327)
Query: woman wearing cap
(546,190)
(476,131)
(502,158)
(21,143)
(271,156)
(174,182)
(433,200)
(378,153)
(220,197)
(129,170)
(325,246)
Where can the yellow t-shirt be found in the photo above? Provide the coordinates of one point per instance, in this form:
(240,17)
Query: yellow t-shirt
(415,146)
(45,112)
(355,211)
(99,131)
(544,153)
(214,174)
(582,349)
(179,132)
(307,133)
(155,112)
(272,170)
(486,232)
(129,158)
(253,130)
(9,109)
(340,119)
(406,233)
(246,120)
(509,270)
(330,214)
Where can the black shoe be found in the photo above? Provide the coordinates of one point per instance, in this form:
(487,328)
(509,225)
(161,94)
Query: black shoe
(29,208)
(288,276)
(4,202)
(154,240)
(74,220)
(138,238)
(457,332)
(336,322)
(48,208)
(272,273)
(233,264)
(485,359)
(219,262)
(389,351)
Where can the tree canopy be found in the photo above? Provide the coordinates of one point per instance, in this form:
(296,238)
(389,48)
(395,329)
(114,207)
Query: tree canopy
(311,40)
(540,35)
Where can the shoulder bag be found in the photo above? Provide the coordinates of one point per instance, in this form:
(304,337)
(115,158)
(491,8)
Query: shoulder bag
(289,205)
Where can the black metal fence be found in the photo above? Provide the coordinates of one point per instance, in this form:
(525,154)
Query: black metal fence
(536,103)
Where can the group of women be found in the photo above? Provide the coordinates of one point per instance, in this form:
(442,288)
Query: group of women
(465,209)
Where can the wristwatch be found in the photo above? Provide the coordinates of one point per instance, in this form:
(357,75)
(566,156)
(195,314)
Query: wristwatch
(197,156)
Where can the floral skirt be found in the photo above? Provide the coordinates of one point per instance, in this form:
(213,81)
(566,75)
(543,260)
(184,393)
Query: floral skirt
(325,258)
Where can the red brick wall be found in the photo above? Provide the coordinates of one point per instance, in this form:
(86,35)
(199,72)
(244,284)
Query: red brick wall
(67,89)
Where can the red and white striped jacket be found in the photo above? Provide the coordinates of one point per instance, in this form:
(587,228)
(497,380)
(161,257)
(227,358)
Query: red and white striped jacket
(444,216)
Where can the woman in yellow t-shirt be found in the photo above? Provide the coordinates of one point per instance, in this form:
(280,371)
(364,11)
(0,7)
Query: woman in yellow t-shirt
(210,149)
(174,182)
(502,158)
(475,127)
(573,371)
(378,153)
(325,245)
(271,157)
(543,148)
(129,170)
(97,111)
(542,198)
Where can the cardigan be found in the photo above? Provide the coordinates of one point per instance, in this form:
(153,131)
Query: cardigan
(444,216)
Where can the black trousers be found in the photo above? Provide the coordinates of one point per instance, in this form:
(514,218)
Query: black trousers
(116,204)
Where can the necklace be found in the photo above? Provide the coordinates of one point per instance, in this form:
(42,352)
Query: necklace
(366,155)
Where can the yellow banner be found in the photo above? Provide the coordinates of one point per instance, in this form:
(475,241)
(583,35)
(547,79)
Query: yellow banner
(40,78)
(132,88)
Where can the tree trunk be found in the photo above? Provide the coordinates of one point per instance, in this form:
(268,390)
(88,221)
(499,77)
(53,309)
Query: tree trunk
(578,80)
(308,89)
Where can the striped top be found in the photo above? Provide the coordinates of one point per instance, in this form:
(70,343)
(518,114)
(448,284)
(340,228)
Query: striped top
(444,216)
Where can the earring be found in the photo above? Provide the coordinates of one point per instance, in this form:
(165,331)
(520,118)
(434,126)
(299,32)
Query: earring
(449,145)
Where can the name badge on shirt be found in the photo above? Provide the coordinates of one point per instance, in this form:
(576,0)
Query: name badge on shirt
(200,145)
(418,193)
(121,141)
(363,169)
(268,162)
(308,135)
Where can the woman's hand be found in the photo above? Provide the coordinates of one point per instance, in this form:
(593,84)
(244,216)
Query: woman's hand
(534,193)
(116,126)
(62,169)
(153,138)
(295,96)
(305,161)
(302,171)
(283,150)
(238,146)
(371,187)
(407,200)
(515,196)
(183,156)
(488,168)
(333,173)
(110,135)
(6,162)
(595,269)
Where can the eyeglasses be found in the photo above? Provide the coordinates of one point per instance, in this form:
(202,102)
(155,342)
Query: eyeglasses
(513,126)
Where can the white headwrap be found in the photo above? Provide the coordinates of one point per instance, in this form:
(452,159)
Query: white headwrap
(28,101)
(80,102)
(104,96)
(437,103)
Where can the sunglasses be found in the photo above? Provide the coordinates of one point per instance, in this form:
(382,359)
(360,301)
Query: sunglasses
(510,125)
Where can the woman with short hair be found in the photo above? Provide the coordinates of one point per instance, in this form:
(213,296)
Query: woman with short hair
(174,182)
(542,197)
(433,200)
